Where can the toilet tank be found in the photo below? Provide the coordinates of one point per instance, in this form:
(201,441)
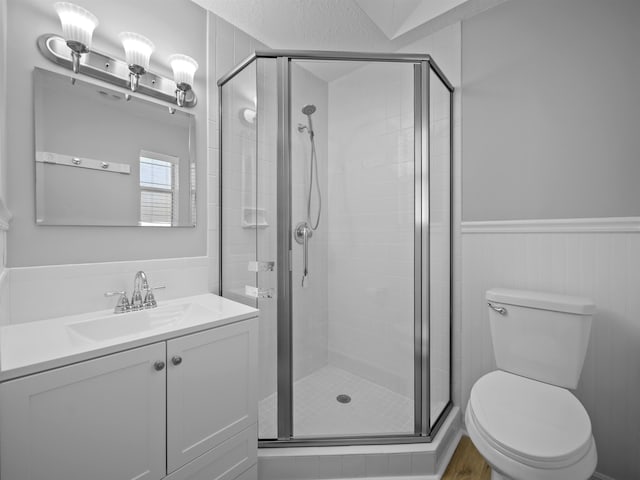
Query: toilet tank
(542,336)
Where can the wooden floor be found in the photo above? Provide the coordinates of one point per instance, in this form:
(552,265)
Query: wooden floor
(467,463)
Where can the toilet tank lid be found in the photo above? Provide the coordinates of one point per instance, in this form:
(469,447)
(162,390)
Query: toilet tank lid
(542,300)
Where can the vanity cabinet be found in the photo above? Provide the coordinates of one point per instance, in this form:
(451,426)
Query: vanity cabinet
(184,409)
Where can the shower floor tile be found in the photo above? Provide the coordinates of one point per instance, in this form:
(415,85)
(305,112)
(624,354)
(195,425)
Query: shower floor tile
(373,409)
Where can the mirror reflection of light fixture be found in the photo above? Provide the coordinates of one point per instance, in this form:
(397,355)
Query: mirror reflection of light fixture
(248,115)
(137,53)
(184,69)
(78,25)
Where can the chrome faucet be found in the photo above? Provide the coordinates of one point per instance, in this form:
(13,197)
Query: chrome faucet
(138,302)
(140,281)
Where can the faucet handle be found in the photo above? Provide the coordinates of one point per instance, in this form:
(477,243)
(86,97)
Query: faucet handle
(123,302)
(150,299)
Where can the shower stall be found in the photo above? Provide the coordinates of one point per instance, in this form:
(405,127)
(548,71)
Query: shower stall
(335,221)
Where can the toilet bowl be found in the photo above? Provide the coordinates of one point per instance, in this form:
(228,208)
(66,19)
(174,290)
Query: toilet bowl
(530,430)
(522,418)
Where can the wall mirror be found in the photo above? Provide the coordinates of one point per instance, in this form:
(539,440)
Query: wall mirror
(104,157)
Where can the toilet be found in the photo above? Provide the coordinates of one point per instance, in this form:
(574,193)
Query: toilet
(522,418)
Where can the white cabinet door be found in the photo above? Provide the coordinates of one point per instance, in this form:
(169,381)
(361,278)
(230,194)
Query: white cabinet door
(211,389)
(103,419)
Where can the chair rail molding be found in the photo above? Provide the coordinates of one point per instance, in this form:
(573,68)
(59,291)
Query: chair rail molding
(553,225)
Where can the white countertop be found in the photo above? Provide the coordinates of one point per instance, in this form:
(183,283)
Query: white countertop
(33,347)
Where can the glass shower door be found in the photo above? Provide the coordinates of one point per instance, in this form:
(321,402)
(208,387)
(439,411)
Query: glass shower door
(352,218)
(238,196)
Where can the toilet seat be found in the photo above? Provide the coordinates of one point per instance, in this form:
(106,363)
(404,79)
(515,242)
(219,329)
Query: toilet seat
(530,430)
(534,423)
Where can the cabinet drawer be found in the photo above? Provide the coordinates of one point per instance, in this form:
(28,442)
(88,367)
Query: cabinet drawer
(232,459)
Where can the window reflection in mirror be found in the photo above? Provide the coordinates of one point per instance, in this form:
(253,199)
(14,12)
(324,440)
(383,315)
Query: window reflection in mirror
(104,157)
(159,189)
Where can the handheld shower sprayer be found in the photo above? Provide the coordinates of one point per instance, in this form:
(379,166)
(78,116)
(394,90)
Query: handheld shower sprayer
(304,230)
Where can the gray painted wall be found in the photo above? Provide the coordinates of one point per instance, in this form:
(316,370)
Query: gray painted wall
(173,30)
(3,97)
(551,109)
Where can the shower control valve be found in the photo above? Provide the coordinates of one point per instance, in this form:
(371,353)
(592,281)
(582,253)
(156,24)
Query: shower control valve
(303,229)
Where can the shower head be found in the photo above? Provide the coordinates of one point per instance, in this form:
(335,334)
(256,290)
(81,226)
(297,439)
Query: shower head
(309,109)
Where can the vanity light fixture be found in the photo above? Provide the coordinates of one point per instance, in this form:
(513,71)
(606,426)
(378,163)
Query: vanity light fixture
(78,25)
(133,73)
(137,53)
(184,69)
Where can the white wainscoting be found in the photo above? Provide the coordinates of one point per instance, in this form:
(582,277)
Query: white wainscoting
(4,287)
(4,271)
(36,293)
(596,258)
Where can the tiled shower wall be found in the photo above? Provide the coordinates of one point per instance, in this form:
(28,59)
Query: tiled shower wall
(604,266)
(310,324)
(371,224)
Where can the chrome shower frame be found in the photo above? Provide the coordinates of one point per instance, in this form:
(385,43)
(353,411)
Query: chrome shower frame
(423,65)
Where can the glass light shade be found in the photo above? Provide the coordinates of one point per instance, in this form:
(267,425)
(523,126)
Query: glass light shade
(184,69)
(137,49)
(77,23)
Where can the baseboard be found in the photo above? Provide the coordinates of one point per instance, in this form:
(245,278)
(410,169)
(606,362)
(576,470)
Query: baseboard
(448,454)
(601,476)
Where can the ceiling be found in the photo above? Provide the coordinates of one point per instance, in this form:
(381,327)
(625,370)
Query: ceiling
(347,25)
(397,17)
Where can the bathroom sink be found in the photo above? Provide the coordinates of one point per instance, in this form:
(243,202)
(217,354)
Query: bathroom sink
(114,326)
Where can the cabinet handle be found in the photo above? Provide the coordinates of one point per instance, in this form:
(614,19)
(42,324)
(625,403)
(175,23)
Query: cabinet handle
(176,360)
(159,365)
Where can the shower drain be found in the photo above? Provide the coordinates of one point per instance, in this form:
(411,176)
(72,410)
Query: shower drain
(343,398)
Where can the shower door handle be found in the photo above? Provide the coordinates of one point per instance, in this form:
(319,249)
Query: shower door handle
(303,234)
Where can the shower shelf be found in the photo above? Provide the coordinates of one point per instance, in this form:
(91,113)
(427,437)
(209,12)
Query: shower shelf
(254,218)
